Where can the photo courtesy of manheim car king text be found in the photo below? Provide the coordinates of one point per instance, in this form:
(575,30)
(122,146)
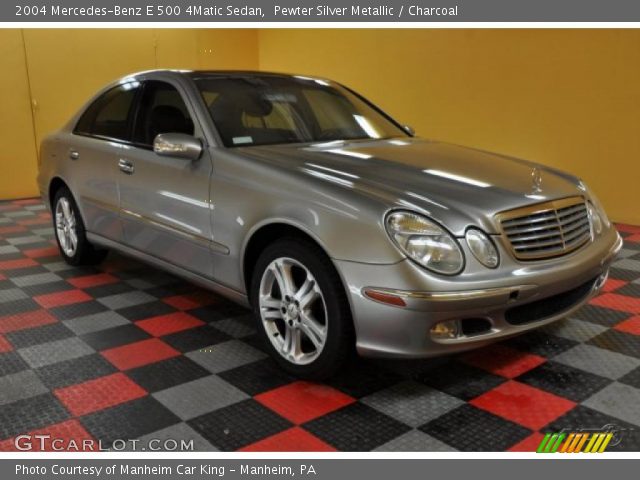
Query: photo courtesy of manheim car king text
(288,238)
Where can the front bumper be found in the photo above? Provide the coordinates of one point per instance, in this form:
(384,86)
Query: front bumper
(493,296)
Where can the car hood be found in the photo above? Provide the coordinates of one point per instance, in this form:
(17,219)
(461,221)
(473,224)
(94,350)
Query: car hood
(457,186)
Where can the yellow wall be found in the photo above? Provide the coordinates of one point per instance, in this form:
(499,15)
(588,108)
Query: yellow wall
(567,98)
(17,144)
(67,66)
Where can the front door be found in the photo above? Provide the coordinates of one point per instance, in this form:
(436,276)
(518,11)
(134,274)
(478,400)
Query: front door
(164,201)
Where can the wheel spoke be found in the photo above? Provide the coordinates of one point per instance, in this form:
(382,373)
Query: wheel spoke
(308,285)
(269,302)
(292,344)
(65,209)
(308,299)
(271,314)
(282,272)
(73,238)
(313,330)
(59,221)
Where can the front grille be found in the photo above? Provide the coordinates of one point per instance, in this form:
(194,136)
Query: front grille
(547,229)
(550,306)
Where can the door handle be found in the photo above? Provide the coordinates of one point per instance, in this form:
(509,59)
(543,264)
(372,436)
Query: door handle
(126,166)
(74,155)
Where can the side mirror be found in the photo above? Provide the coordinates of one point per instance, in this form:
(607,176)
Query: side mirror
(178,145)
(409,129)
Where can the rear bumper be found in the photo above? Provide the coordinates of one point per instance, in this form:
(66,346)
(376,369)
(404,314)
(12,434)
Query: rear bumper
(548,291)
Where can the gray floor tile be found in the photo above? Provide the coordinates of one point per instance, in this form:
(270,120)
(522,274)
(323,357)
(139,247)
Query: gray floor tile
(95,322)
(598,360)
(415,441)
(54,352)
(618,400)
(36,279)
(127,299)
(412,403)
(19,386)
(225,356)
(575,329)
(198,397)
(11,295)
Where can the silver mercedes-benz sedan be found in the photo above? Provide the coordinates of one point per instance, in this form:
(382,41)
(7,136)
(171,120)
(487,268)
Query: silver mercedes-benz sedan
(298,197)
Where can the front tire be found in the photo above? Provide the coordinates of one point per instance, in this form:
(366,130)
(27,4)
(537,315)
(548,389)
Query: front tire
(71,236)
(302,309)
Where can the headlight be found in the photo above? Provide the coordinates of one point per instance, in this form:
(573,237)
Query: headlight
(482,248)
(595,207)
(425,242)
(595,220)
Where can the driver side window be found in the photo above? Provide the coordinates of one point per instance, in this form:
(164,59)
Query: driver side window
(162,110)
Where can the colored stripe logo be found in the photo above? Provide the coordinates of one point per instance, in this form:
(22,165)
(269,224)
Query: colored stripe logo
(576,442)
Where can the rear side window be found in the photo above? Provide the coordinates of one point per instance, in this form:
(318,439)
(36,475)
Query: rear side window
(110,115)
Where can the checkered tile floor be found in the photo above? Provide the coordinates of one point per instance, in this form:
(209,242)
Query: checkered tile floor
(124,351)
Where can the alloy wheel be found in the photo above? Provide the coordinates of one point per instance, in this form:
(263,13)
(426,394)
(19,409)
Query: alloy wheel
(66,227)
(293,311)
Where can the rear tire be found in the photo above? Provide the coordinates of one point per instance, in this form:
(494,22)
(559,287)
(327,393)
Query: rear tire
(70,232)
(301,309)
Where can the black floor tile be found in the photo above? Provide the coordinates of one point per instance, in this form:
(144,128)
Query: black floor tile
(564,381)
(468,428)
(167,373)
(238,425)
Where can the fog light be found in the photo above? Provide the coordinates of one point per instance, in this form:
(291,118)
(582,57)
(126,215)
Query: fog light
(446,330)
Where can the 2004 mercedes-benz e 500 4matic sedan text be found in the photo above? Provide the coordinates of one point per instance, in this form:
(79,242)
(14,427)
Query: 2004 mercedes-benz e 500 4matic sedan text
(296,196)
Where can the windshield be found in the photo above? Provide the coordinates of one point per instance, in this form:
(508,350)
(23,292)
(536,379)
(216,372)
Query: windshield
(267,110)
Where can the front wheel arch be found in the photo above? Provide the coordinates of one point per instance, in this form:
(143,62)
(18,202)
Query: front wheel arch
(264,236)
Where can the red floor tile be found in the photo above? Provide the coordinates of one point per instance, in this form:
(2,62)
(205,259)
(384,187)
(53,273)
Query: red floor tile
(9,207)
(613,284)
(99,394)
(635,238)
(21,321)
(27,201)
(191,300)
(12,229)
(88,281)
(18,263)
(529,444)
(615,301)
(502,360)
(58,299)
(34,221)
(170,323)
(293,440)
(622,227)
(301,401)
(630,325)
(525,405)
(139,353)
(42,252)
(5,346)
(69,435)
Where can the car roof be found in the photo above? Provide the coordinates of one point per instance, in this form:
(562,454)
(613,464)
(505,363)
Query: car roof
(209,73)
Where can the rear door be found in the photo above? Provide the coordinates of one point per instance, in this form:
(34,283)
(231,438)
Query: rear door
(98,139)
(165,205)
